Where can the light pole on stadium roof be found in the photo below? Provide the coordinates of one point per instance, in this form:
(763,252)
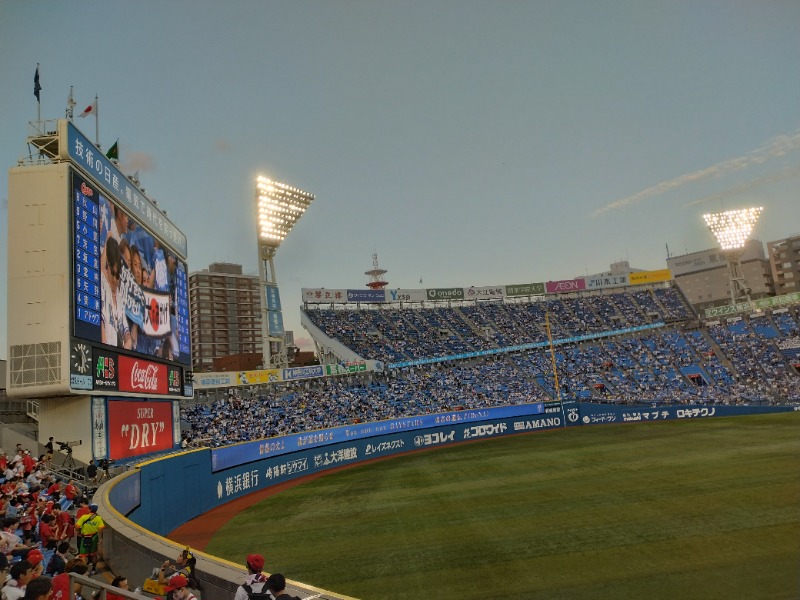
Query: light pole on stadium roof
(732,229)
(278,207)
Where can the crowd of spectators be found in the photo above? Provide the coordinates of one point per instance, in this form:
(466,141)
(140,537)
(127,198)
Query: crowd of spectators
(39,539)
(394,334)
(732,362)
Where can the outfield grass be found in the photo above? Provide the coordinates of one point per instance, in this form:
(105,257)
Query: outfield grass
(678,509)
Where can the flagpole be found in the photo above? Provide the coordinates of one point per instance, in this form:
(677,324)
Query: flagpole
(70,105)
(38,99)
(96,122)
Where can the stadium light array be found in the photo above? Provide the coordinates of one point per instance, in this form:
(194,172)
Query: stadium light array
(732,228)
(280,206)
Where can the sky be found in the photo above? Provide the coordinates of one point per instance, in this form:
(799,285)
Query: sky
(466,143)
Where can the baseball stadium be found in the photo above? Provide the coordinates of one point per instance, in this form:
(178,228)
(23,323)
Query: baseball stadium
(587,437)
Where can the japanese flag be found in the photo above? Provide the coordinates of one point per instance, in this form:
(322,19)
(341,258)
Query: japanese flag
(91,109)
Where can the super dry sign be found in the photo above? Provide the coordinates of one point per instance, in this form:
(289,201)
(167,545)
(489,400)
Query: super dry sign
(138,427)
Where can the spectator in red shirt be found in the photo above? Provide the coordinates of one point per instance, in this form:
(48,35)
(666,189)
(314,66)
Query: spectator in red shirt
(54,491)
(71,495)
(47,534)
(28,462)
(61,581)
(121,583)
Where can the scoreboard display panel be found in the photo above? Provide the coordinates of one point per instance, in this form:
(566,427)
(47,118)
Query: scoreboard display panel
(130,288)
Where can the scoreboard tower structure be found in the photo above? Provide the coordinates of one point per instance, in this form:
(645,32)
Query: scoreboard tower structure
(98,313)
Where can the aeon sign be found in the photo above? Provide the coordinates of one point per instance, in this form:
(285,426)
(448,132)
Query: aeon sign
(142,376)
(564,286)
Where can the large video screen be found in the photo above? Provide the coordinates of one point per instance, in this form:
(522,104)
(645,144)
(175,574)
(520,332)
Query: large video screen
(131,290)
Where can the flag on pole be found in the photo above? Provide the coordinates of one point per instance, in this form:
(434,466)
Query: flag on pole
(113,152)
(36,85)
(89,110)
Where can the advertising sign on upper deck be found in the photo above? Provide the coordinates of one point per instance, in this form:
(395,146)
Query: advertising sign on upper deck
(444,293)
(650,276)
(565,286)
(525,289)
(324,296)
(401,295)
(605,281)
(366,296)
(484,293)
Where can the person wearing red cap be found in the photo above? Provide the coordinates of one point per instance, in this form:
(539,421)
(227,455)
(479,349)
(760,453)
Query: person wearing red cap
(179,586)
(36,558)
(255,580)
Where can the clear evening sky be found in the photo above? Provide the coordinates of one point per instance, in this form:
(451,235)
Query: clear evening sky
(468,143)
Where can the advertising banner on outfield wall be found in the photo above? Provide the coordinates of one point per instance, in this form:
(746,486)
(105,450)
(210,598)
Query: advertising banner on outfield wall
(484,293)
(525,289)
(650,276)
(605,281)
(593,414)
(230,456)
(565,285)
(323,296)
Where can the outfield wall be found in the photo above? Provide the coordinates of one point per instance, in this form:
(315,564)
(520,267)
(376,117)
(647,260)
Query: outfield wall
(160,495)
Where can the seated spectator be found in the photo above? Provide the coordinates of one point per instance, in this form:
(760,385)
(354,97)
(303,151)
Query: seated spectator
(58,563)
(20,574)
(36,558)
(39,589)
(277,585)
(61,582)
(120,582)
(179,586)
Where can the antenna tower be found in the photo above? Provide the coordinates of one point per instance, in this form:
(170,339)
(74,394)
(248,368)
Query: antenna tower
(376,280)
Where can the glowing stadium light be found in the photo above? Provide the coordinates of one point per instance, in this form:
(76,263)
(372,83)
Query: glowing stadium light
(732,228)
(278,208)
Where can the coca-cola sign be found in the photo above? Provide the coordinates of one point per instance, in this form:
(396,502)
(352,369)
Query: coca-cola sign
(142,376)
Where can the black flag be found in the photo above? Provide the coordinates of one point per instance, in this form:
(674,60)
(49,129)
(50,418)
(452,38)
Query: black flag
(36,86)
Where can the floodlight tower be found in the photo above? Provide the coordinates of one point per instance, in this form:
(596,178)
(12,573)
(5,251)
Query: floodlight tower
(279,207)
(732,229)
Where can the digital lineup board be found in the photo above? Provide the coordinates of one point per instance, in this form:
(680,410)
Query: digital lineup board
(130,302)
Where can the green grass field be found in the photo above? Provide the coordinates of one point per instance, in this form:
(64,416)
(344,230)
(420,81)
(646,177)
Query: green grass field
(677,509)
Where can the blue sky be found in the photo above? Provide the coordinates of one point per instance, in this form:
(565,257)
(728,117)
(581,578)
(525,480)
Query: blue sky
(468,143)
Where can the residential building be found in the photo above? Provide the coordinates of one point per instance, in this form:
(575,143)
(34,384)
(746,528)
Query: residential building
(225,314)
(784,258)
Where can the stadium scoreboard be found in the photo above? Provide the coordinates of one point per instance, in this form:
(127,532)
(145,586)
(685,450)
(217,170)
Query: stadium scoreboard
(98,286)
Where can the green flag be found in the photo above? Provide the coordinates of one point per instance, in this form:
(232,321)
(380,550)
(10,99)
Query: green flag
(113,152)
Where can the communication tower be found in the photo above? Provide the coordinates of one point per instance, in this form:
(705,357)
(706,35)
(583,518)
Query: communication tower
(376,279)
